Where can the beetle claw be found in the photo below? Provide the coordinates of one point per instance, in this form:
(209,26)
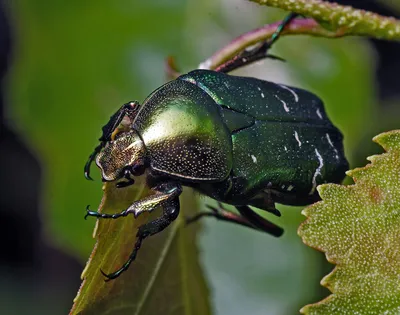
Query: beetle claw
(90,213)
(87,176)
(87,211)
(108,276)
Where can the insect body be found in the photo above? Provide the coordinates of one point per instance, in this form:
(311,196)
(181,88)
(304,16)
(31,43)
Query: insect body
(241,141)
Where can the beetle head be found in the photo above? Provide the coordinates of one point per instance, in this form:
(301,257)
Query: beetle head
(119,122)
(123,157)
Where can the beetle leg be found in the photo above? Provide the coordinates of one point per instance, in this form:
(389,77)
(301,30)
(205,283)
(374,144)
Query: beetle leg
(244,219)
(91,159)
(259,222)
(129,180)
(264,201)
(170,213)
(220,213)
(164,193)
(259,52)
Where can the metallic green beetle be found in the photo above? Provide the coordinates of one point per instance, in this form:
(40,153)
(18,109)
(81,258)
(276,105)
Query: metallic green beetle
(239,140)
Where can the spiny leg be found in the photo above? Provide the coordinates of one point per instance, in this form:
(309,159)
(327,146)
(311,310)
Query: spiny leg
(165,191)
(222,214)
(170,213)
(259,52)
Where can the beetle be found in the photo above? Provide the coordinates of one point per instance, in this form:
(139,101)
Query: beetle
(239,140)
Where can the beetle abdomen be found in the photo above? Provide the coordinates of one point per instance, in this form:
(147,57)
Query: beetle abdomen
(183,132)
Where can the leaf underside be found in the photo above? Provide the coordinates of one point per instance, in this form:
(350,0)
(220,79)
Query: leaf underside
(165,278)
(358,228)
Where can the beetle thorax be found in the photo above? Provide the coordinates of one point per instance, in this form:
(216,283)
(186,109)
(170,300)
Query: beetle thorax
(127,151)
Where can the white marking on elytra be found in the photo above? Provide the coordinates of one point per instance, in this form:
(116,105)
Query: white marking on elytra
(290,187)
(331,144)
(317,172)
(262,94)
(296,97)
(285,148)
(285,107)
(319,113)
(254,159)
(296,135)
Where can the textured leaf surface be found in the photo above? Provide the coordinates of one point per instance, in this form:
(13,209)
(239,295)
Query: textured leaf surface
(358,227)
(164,279)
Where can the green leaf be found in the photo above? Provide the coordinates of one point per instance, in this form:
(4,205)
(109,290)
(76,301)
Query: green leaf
(358,228)
(73,67)
(164,279)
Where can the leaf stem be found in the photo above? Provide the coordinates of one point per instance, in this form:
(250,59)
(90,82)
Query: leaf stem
(298,26)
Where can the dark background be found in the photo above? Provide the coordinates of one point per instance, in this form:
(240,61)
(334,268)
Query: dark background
(40,269)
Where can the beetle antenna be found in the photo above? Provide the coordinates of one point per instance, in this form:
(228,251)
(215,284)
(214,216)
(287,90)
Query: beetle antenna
(91,159)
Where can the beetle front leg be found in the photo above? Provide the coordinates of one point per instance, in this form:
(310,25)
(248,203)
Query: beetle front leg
(164,192)
(170,213)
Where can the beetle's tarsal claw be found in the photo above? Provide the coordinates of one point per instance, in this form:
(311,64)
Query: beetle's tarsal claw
(111,276)
(107,276)
(90,213)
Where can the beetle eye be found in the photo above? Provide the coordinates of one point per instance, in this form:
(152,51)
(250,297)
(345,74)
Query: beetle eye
(138,169)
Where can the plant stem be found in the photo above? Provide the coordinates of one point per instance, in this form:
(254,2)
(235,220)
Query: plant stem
(298,26)
(355,21)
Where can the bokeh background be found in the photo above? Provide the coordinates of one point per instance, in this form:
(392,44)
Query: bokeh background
(67,65)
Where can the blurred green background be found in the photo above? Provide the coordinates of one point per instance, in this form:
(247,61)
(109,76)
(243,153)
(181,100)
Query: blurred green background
(71,64)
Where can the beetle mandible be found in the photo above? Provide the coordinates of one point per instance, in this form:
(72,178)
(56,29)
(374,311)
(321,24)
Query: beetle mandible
(239,140)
